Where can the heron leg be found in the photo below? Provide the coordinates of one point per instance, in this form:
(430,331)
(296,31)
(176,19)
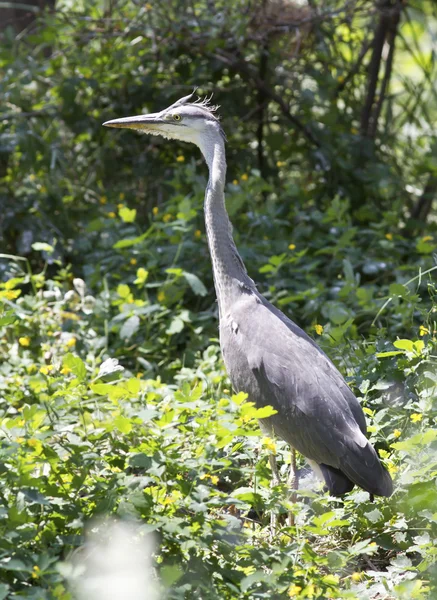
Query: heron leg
(293,484)
(275,481)
(274,467)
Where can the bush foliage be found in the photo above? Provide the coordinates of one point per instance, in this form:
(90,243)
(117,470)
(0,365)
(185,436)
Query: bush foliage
(113,395)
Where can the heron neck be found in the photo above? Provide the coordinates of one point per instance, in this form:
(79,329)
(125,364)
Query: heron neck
(230,274)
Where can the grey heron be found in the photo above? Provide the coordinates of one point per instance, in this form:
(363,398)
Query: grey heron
(267,355)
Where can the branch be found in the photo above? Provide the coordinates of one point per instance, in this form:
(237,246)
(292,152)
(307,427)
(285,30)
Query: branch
(374,66)
(262,103)
(391,39)
(421,211)
(364,50)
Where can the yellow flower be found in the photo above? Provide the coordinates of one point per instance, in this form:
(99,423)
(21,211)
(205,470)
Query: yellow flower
(203,476)
(65,370)
(11,294)
(167,217)
(427,238)
(389,236)
(318,329)
(235,182)
(214,479)
(294,590)
(155,210)
(36,572)
(120,206)
(103,200)
(356,576)
(133,261)
(111,215)
(423,330)
(139,375)
(46,369)
(24,341)
(244,177)
(416,417)
(292,246)
(161,296)
(269,444)
(180,158)
(197,234)
(396,433)
(71,342)
(392,468)
(121,195)
(280,164)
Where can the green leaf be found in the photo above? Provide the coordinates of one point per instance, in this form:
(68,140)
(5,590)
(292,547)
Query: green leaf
(123,424)
(8,318)
(130,327)
(176,326)
(397,289)
(239,398)
(264,412)
(128,242)
(4,591)
(348,271)
(76,365)
(407,345)
(389,353)
(419,440)
(424,247)
(195,284)
(43,247)
(114,392)
(247,494)
(14,564)
(175,271)
(134,386)
(170,574)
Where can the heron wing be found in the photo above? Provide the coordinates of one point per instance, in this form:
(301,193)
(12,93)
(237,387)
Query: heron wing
(317,412)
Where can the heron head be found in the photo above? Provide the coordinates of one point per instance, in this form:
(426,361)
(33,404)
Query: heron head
(184,120)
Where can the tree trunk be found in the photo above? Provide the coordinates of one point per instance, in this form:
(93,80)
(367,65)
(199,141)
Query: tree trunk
(20,15)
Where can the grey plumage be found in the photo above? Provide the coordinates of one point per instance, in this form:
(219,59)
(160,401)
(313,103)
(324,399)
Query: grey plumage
(265,353)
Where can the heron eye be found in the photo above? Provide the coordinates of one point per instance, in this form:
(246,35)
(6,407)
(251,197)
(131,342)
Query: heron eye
(177,117)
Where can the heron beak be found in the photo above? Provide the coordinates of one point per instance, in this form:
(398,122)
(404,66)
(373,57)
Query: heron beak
(143,122)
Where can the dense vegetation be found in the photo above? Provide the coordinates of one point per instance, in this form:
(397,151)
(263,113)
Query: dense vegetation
(113,395)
